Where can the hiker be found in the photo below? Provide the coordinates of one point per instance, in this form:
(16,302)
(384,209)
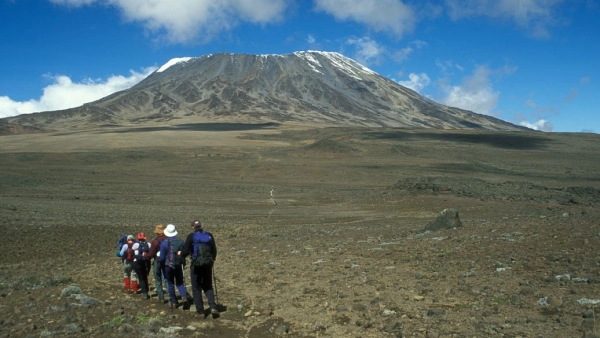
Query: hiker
(157,272)
(142,264)
(172,263)
(130,276)
(200,245)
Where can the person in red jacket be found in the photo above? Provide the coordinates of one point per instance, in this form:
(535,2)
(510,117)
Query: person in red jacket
(153,254)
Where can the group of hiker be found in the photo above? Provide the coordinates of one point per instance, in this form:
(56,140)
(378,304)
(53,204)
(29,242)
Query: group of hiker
(166,256)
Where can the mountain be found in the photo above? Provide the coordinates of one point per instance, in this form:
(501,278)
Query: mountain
(310,88)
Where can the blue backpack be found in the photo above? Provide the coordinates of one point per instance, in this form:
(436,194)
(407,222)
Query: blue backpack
(143,248)
(202,254)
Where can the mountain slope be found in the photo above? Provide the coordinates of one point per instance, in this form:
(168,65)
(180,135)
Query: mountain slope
(312,88)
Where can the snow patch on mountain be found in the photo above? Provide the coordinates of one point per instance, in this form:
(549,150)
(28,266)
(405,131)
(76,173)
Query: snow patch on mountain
(313,63)
(343,63)
(173,62)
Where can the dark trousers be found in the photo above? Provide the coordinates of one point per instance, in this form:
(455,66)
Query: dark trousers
(175,279)
(202,281)
(140,269)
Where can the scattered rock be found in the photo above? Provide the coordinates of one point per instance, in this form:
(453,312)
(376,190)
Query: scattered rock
(554,301)
(434,312)
(447,219)
(171,330)
(281,329)
(126,329)
(588,324)
(71,290)
(88,301)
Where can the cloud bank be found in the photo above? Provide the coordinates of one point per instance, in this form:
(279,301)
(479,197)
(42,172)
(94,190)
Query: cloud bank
(475,93)
(390,16)
(534,16)
(185,21)
(63,93)
(541,125)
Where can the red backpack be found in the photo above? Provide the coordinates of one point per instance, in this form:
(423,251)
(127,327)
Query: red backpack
(129,253)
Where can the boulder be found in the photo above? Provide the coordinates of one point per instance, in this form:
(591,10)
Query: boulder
(447,219)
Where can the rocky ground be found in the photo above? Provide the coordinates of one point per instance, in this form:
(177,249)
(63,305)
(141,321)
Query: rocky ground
(338,252)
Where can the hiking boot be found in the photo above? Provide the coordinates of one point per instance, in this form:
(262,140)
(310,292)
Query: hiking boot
(215,313)
(161,300)
(145,295)
(184,303)
(173,306)
(200,316)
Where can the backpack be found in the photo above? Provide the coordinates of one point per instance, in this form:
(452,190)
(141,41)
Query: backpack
(143,248)
(202,254)
(173,259)
(129,253)
(122,241)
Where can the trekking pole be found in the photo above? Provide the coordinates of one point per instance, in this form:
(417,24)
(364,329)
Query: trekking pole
(215,284)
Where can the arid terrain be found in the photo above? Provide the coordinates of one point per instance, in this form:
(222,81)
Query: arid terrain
(339,251)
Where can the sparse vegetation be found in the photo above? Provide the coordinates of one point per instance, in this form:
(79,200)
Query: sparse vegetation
(32,282)
(116,321)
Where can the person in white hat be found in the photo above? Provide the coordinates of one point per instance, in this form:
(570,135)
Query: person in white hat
(172,263)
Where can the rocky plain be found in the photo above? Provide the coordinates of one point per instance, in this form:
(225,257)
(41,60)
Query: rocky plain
(340,248)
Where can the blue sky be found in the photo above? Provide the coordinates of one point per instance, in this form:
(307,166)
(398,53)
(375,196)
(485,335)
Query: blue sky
(528,62)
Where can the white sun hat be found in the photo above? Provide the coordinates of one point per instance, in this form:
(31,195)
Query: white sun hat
(170,231)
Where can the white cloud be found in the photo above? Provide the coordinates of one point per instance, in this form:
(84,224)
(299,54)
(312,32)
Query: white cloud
(367,50)
(541,125)
(311,39)
(402,54)
(475,93)
(188,20)
(416,82)
(448,66)
(534,16)
(392,16)
(63,93)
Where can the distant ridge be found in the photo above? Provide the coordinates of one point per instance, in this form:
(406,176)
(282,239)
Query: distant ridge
(307,88)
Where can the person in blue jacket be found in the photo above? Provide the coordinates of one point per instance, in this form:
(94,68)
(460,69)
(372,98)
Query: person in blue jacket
(201,247)
(172,264)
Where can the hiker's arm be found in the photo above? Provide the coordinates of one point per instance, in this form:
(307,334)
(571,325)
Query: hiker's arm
(123,250)
(187,246)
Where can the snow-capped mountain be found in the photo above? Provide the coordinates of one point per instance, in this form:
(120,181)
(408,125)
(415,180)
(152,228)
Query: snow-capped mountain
(312,88)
